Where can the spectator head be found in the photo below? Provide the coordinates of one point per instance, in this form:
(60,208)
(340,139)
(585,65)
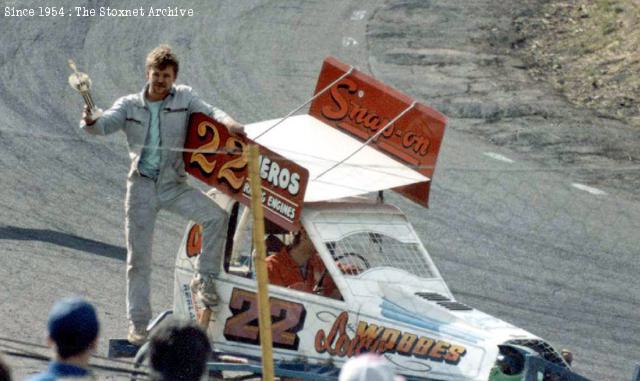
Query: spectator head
(368,367)
(178,351)
(73,327)
(5,372)
(567,356)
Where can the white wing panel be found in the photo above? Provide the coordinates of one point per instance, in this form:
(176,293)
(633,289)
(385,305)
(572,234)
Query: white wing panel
(318,147)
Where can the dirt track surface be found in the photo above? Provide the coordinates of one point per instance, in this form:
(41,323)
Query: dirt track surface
(477,75)
(509,226)
(587,49)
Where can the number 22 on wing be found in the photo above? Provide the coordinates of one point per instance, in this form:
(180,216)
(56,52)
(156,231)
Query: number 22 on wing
(228,169)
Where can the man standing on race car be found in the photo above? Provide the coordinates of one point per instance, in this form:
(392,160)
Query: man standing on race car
(155,123)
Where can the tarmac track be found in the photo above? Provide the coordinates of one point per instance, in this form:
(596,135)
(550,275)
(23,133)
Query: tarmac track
(515,239)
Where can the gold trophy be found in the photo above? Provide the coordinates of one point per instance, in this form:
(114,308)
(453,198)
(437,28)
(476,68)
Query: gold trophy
(82,83)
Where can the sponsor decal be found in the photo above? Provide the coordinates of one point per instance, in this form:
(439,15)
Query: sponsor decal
(348,114)
(194,241)
(381,339)
(287,319)
(196,309)
(219,158)
(189,299)
(361,106)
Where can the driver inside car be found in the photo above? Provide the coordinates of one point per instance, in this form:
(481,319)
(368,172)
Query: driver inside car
(298,266)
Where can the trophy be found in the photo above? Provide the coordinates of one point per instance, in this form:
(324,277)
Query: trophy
(82,83)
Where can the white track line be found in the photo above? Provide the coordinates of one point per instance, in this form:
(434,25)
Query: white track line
(589,189)
(358,15)
(499,157)
(349,41)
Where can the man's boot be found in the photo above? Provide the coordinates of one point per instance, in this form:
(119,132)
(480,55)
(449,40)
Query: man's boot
(203,286)
(137,335)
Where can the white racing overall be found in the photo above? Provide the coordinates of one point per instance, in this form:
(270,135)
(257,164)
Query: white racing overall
(146,196)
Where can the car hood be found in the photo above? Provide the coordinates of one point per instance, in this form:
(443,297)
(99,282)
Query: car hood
(440,313)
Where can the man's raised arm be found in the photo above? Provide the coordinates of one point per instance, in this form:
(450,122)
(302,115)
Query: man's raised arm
(110,121)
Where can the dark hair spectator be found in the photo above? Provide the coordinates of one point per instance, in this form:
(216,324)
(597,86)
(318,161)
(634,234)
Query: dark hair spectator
(73,332)
(5,371)
(73,326)
(178,350)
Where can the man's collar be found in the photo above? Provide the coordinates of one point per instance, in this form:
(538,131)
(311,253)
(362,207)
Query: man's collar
(62,369)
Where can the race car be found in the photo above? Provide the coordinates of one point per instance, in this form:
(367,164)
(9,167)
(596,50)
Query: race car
(319,170)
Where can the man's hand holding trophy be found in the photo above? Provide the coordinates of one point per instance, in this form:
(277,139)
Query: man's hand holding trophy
(82,83)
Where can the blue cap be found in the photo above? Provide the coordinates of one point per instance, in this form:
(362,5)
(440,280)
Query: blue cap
(73,325)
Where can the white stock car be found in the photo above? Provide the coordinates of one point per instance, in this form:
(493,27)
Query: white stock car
(359,137)
(398,304)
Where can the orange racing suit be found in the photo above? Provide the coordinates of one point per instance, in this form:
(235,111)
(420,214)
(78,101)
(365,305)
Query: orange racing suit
(284,271)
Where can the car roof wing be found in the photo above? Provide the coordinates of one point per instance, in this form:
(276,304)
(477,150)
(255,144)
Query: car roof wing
(342,142)
(359,136)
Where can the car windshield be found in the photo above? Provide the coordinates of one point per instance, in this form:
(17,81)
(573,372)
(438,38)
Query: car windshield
(366,246)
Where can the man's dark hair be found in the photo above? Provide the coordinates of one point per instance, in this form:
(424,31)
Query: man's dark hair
(162,57)
(179,350)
